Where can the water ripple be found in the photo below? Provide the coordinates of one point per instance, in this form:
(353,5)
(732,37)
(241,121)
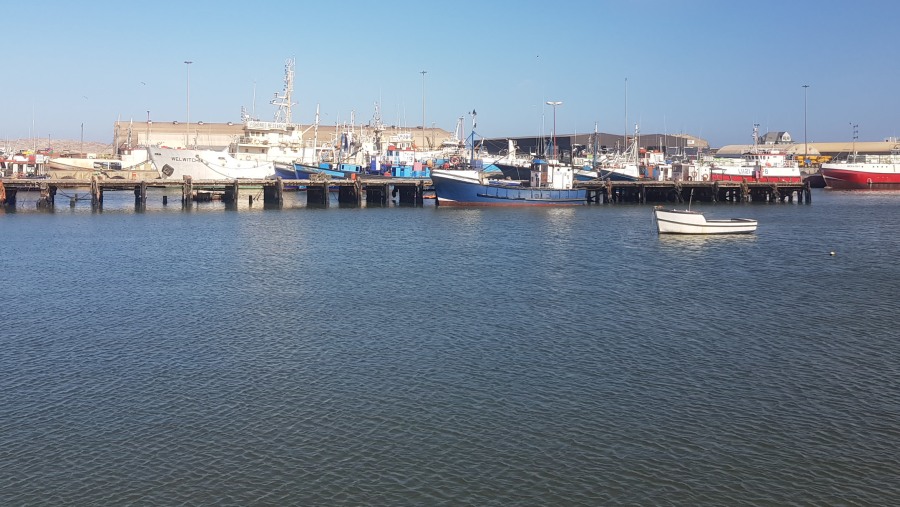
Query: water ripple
(446,357)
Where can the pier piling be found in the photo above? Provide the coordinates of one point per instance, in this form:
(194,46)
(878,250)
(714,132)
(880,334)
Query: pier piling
(377,193)
(317,194)
(187,192)
(273,195)
(96,193)
(47,198)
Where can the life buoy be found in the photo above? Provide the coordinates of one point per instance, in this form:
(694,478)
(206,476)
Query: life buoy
(705,177)
(768,164)
(454,160)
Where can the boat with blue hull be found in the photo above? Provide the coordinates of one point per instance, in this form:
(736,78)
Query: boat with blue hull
(285,171)
(340,171)
(546,186)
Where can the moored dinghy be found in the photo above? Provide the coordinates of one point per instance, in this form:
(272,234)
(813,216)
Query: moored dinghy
(675,221)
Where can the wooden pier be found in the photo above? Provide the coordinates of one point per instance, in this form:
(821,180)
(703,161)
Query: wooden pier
(678,192)
(377,190)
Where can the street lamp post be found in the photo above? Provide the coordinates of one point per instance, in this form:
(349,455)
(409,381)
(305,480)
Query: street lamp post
(554,103)
(187,132)
(805,144)
(423,105)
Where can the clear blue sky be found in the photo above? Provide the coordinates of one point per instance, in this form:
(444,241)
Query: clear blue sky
(703,67)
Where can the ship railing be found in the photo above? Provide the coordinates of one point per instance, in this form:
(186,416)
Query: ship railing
(270,125)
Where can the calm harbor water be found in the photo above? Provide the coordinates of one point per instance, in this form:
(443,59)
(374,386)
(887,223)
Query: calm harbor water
(436,356)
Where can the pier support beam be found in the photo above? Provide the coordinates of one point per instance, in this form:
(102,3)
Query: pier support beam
(317,194)
(96,193)
(351,195)
(187,192)
(273,195)
(140,195)
(47,198)
(231,194)
(8,196)
(377,194)
(410,194)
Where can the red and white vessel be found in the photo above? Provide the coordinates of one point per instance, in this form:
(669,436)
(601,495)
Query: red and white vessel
(767,165)
(872,173)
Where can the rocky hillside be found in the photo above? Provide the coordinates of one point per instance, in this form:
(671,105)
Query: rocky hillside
(59,146)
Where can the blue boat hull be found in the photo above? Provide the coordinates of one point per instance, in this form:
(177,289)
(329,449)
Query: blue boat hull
(453,192)
(344,171)
(286,172)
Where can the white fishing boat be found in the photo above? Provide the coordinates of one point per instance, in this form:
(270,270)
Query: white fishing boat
(174,163)
(132,164)
(762,164)
(624,166)
(675,221)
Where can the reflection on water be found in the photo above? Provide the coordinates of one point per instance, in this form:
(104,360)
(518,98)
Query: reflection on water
(700,241)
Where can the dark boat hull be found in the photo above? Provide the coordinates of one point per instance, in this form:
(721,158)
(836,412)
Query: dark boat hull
(457,191)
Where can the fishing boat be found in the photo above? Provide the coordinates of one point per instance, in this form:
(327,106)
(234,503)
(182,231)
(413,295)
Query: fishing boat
(861,175)
(176,163)
(546,186)
(675,221)
(762,164)
(864,172)
(285,171)
(131,164)
(339,171)
(624,166)
(401,160)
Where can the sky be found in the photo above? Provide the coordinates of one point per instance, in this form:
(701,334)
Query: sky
(706,68)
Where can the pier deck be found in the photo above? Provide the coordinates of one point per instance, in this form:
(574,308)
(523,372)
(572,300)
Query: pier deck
(374,189)
(377,189)
(646,191)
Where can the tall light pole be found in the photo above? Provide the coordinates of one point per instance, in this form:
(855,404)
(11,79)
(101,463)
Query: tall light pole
(423,105)
(187,132)
(554,103)
(805,144)
(625,132)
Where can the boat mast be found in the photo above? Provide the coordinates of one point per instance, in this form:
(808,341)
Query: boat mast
(284,103)
(472,149)
(316,136)
(755,137)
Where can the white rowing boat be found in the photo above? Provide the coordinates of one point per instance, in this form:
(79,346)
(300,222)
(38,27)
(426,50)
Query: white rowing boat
(677,221)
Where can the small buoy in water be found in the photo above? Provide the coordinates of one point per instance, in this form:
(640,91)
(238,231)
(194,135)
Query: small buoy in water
(831,254)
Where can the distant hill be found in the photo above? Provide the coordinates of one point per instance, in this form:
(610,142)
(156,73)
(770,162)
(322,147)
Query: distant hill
(59,146)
